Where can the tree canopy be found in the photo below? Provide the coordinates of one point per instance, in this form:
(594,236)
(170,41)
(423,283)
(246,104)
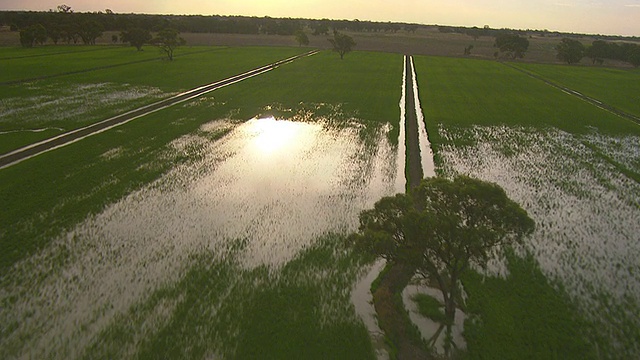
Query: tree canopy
(136,37)
(342,43)
(168,40)
(513,45)
(570,51)
(443,228)
(601,50)
(34,34)
(301,38)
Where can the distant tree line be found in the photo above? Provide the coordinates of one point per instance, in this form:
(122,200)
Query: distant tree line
(601,50)
(572,51)
(64,25)
(491,32)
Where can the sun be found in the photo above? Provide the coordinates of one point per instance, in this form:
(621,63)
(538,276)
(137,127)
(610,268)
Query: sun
(273,136)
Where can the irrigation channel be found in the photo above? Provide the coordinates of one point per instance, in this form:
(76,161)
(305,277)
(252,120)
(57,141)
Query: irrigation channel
(414,151)
(67,138)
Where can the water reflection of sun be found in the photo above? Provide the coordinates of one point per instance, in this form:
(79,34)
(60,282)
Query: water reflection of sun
(273,136)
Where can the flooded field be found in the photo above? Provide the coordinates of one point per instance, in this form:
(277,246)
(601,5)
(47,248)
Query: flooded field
(586,211)
(247,206)
(62,103)
(43,111)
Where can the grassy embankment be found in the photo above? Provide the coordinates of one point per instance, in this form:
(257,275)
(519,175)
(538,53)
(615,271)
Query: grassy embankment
(46,195)
(524,315)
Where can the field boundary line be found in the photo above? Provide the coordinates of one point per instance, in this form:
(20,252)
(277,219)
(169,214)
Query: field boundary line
(38,148)
(579,95)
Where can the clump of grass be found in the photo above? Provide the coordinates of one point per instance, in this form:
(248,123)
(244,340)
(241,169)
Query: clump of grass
(429,307)
(522,316)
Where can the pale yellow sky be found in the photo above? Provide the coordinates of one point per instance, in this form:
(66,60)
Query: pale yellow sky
(614,17)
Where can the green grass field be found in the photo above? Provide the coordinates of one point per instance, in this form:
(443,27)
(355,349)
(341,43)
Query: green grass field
(483,118)
(76,171)
(615,87)
(68,102)
(48,195)
(560,157)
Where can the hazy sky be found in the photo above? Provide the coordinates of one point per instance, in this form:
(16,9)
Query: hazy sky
(619,17)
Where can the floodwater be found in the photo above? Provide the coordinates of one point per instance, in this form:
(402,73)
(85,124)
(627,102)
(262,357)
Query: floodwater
(273,186)
(586,211)
(428,328)
(426,154)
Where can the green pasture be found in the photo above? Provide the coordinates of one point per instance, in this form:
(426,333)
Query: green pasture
(17,68)
(524,316)
(616,87)
(13,52)
(33,190)
(465,92)
(49,194)
(68,94)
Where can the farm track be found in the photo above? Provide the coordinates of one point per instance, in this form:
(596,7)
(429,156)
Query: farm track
(579,95)
(83,71)
(41,147)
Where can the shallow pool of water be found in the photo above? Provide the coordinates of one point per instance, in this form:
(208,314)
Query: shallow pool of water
(264,192)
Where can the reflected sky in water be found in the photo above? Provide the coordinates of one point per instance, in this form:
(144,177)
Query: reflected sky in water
(271,185)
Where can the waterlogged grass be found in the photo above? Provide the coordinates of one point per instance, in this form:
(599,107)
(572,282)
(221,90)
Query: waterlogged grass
(615,87)
(68,102)
(57,109)
(522,317)
(222,310)
(53,191)
(586,212)
(430,307)
(211,303)
(574,168)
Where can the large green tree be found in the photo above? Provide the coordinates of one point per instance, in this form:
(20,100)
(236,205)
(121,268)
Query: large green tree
(168,40)
(136,37)
(301,37)
(34,34)
(342,43)
(89,31)
(570,51)
(598,51)
(442,229)
(513,45)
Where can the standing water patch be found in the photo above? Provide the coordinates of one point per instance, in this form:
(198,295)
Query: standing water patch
(272,186)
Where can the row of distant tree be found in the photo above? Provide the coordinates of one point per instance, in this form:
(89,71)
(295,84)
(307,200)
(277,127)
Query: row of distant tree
(573,51)
(477,32)
(63,23)
(569,50)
